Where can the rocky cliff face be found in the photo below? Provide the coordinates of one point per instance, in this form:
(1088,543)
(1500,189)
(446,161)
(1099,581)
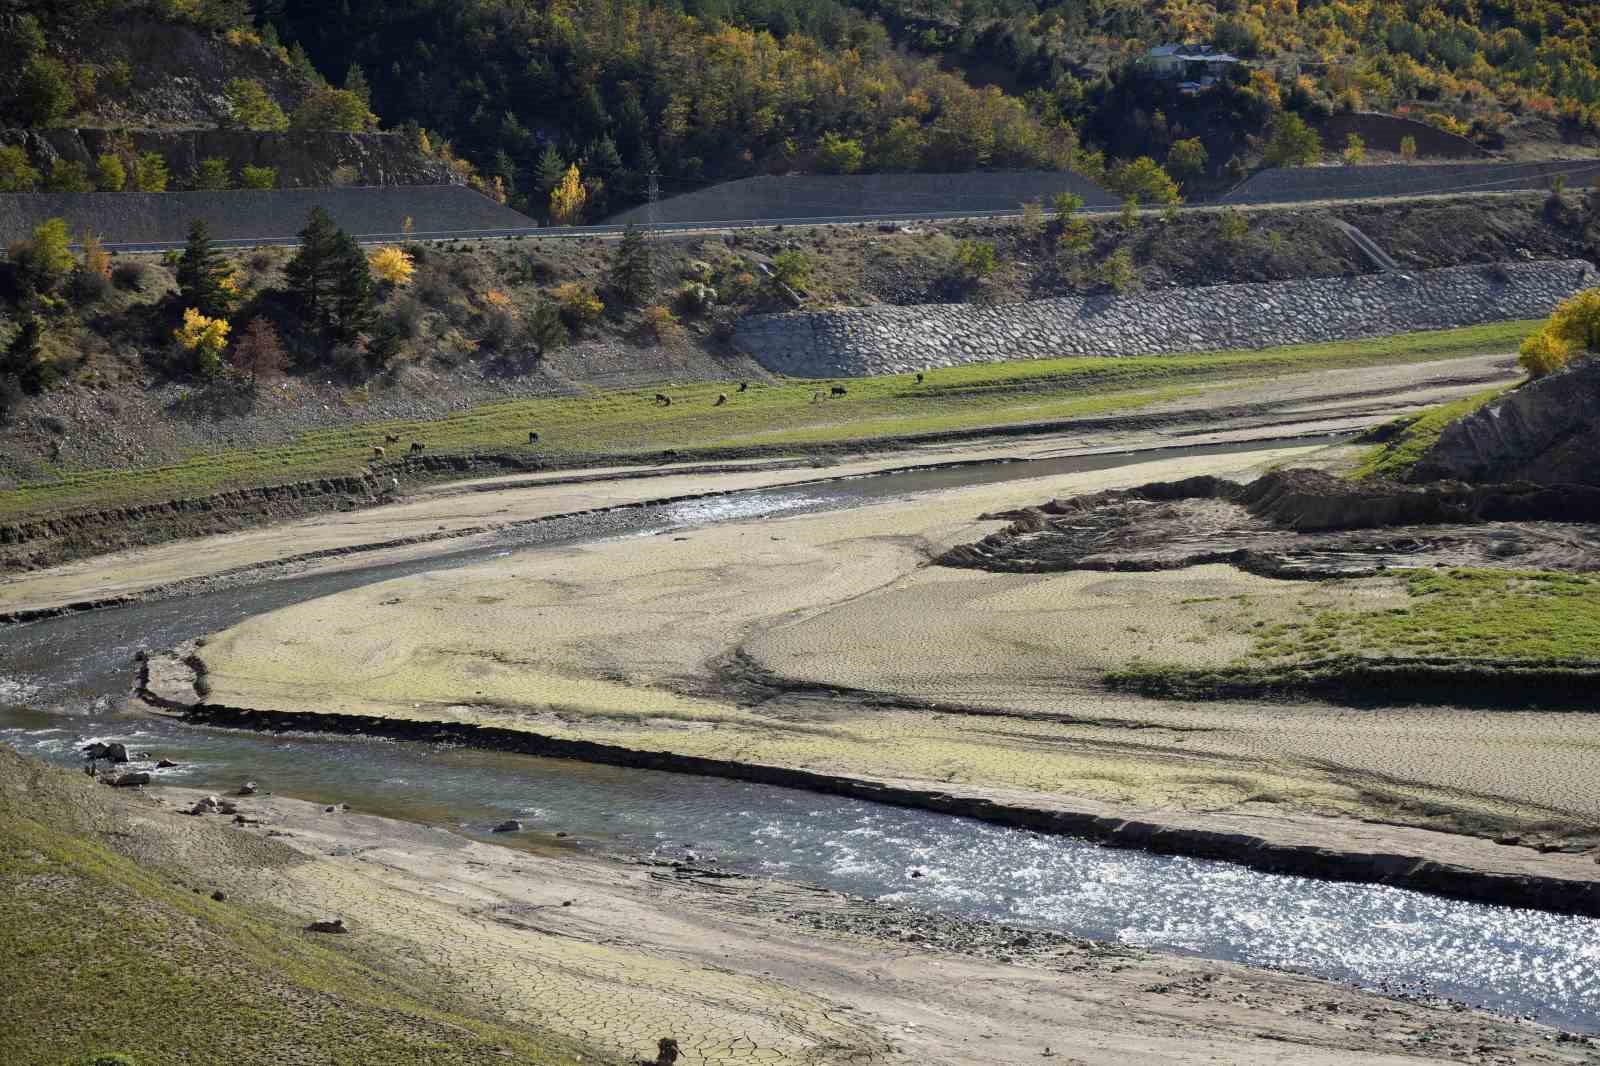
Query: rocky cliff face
(1547,432)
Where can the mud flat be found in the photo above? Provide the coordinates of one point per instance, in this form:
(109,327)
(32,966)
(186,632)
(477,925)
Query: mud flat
(826,649)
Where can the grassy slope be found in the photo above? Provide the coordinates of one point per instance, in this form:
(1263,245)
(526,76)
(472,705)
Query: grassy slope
(775,416)
(101,954)
(1395,457)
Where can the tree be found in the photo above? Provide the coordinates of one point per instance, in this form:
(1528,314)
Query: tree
(45,94)
(544,327)
(150,173)
(567,199)
(355,83)
(251,177)
(259,352)
(839,155)
(352,304)
(212,175)
(900,147)
(203,274)
(1233,226)
(24,356)
(1293,143)
(204,338)
(17,172)
(791,268)
(45,260)
(632,273)
(579,304)
(1130,214)
(1187,159)
(251,108)
(550,170)
(96,260)
(393,265)
(333,109)
(1144,181)
(1408,147)
(109,174)
(1573,327)
(1355,150)
(310,273)
(69,175)
(975,260)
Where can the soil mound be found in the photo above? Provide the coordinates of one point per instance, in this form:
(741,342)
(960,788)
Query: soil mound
(1546,432)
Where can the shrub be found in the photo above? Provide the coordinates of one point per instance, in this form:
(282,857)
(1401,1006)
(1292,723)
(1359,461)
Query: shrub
(1187,159)
(393,265)
(334,109)
(17,172)
(579,304)
(1233,226)
(1033,220)
(1408,147)
(109,174)
(204,338)
(1143,181)
(249,106)
(258,177)
(975,259)
(568,198)
(1293,143)
(791,268)
(212,175)
(1117,272)
(543,327)
(1130,214)
(660,322)
(259,353)
(69,175)
(130,275)
(150,173)
(1355,150)
(1543,354)
(46,92)
(839,155)
(45,260)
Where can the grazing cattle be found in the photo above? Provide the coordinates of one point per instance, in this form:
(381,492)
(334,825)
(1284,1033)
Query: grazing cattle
(743,386)
(838,390)
(416,447)
(722,398)
(919,377)
(817,397)
(663,400)
(378,453)
(533,436)
(391,438)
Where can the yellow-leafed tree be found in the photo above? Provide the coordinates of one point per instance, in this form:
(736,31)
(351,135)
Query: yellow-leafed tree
(205,338)
(567,198)
(1574,327)
(393,265)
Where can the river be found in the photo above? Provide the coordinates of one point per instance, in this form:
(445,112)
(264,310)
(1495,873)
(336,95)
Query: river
(77,668)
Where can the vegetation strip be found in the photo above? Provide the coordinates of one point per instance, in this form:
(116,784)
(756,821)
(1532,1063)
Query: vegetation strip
(628,425)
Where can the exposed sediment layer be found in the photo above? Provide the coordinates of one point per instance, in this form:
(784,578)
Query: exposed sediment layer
(1556,894)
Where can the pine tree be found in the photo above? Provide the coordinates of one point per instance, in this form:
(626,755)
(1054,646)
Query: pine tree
(202,273)
(352,299)
(355,81)
(632,275)
(551,169)
(310,273)
(24,356)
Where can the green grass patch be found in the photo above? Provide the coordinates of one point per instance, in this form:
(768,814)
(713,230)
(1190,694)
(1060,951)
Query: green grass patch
(1415,434)
(1479,615)
(769,417)
(101,955)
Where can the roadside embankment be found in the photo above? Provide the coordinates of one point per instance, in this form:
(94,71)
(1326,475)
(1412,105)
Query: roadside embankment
(897,340)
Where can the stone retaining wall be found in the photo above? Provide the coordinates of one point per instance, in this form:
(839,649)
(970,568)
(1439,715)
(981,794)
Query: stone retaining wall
(894,340)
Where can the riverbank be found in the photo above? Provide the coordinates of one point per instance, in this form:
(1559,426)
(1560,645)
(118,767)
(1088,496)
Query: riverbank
(77,513)
(616,953)
(825,647)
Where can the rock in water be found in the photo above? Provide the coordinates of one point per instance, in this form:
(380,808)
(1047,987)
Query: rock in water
(510,825)
(247,789)
(117,753)
(138,777)
(165,764)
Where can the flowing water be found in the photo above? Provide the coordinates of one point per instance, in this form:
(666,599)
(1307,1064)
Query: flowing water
(1516,961)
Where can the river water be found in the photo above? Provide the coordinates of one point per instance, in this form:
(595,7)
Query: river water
(1514,961)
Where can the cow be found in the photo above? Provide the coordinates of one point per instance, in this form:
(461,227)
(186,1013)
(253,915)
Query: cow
(391,438)
(919,377)
(744,386)
(417,447)
(663,400)
(838,390)
(378,453)
(533,436)
(722,398)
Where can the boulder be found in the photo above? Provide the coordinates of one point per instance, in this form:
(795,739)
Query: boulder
(510,825)
(138,777)
(247,789)
(165,764)
(117,753)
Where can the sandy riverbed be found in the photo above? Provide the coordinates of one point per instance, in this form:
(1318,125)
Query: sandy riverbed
(644,642)
(619,953)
